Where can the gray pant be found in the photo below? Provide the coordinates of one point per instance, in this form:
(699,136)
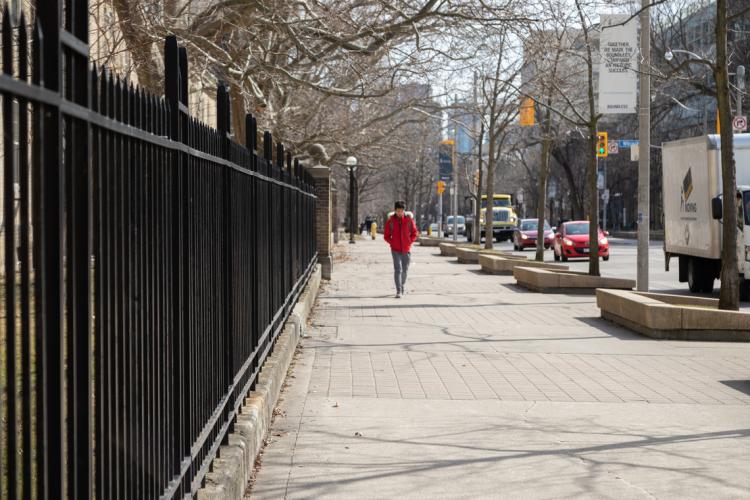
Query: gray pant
(400,268)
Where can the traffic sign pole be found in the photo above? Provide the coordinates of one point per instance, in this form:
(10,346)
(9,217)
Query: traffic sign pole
(644,138)
(440,213)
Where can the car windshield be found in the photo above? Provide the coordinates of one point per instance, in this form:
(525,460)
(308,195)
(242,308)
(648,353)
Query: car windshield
(459,220)
(497,202)
(531,225)
(579,228)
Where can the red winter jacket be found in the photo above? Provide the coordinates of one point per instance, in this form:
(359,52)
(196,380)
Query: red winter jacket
(400,233)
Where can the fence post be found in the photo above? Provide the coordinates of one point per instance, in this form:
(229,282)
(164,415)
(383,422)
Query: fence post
(321,177)
(49,278)
(180,393)
(223,124)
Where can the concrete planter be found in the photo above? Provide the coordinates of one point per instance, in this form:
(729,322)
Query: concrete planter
(503,253)
(468,254)
(665,316)
(429,241)
(548,280)
(496,264)
(448,249)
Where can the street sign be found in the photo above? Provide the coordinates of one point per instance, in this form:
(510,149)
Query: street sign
(612,147)
(605,196)
(627,143)
(739,123)
(441,187)
(600,181)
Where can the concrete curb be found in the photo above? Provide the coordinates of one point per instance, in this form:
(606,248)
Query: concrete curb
(666,316)
(233,465)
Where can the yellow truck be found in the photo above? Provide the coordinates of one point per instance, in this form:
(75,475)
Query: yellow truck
(504,218)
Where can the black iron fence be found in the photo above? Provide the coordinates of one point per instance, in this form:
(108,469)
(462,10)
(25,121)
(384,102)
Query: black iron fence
(149,263)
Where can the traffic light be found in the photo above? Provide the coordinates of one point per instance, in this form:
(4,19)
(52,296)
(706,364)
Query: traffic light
(441,187)
(601,145)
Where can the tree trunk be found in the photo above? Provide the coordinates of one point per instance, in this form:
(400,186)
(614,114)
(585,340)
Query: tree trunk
(139,44)
(478,208)
(489,212)
(729,294)
(543,174)
(541,206)
(591,176)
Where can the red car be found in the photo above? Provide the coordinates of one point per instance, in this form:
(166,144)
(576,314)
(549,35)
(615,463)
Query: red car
(572,241)
(525,234)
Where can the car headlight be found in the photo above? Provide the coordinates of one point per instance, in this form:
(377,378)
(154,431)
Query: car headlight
(603,241)
(524,237)
(567,242)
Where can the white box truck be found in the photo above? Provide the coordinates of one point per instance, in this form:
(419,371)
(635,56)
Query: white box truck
(692,195)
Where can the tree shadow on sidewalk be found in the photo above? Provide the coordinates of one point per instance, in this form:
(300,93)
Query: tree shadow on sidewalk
(490,456)
(612,329)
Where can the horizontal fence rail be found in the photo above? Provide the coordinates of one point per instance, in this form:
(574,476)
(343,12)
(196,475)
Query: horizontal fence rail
(149,263)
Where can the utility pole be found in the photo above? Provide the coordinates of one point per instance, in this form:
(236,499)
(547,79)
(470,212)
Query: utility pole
(644,147)
(440,215)
(454,189)
(605,196)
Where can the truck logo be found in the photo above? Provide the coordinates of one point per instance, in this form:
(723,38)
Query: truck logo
(687,190)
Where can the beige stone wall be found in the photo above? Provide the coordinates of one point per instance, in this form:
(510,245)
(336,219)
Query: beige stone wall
(108,48)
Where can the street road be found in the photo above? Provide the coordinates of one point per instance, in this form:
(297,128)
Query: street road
(622,263)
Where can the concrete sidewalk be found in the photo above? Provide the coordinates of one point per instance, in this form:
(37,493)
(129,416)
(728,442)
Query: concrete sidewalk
(470,387)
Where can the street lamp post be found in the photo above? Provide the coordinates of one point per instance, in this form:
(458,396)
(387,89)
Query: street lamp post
(351,165)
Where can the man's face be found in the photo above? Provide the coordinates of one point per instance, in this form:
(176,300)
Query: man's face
(400,212)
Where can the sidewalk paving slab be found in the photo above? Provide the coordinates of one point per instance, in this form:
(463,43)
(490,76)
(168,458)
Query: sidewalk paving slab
(471,387)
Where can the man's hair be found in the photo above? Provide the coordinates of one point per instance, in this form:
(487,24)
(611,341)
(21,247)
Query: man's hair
(400,204)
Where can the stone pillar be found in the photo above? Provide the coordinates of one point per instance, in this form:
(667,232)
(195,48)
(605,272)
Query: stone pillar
(322,182)
(334,211)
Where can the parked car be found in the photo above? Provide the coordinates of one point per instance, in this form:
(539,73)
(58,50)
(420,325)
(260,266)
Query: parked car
(572,241)
(460,225)
(434,229)
(526,232)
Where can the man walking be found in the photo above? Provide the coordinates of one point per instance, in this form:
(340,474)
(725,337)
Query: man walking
(400,232)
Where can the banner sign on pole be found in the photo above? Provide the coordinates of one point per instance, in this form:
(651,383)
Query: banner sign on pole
(617,62)
(445,160)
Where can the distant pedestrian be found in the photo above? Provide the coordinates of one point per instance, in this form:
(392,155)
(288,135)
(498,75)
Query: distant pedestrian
(400,232)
